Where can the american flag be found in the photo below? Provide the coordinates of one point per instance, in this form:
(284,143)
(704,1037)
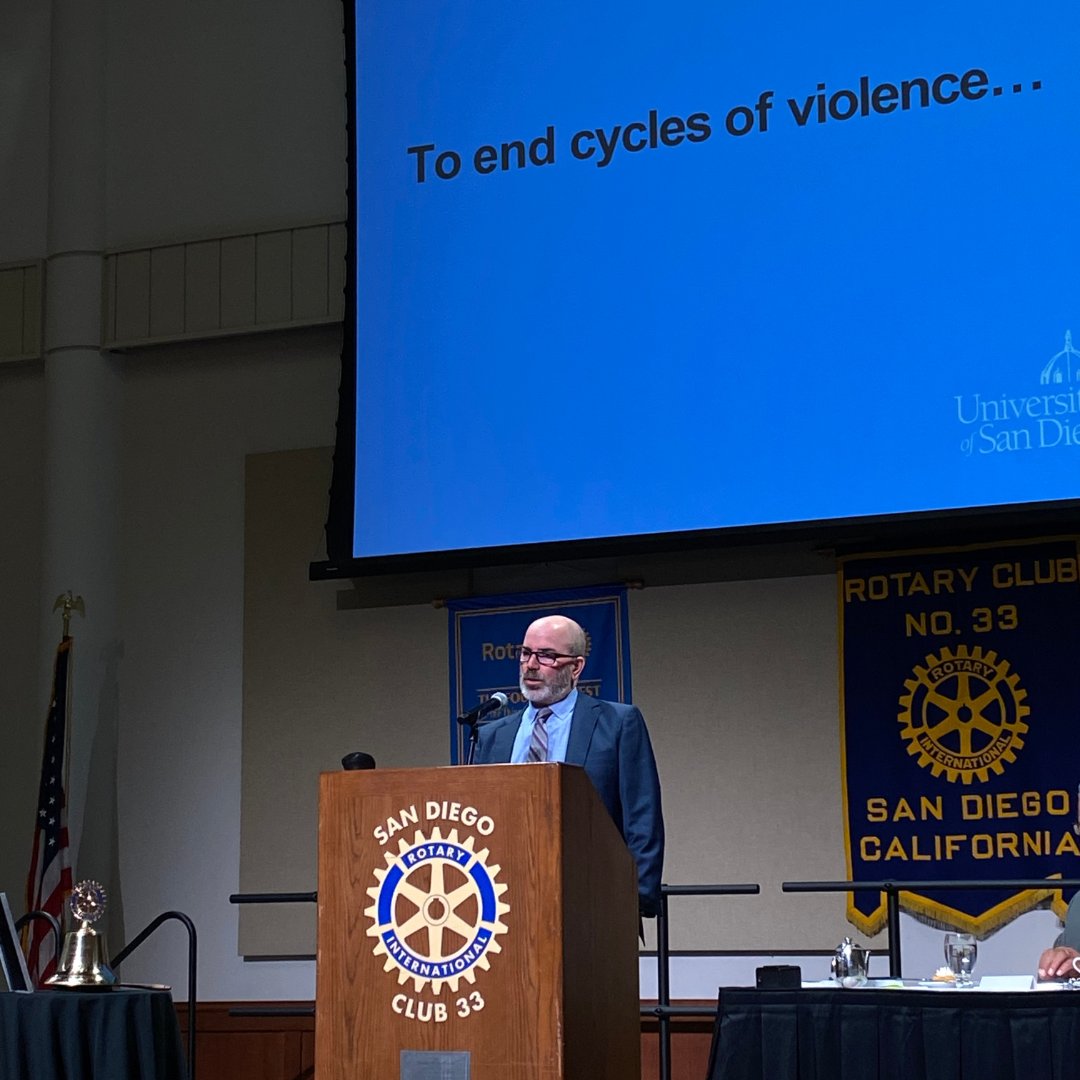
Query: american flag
(49,883)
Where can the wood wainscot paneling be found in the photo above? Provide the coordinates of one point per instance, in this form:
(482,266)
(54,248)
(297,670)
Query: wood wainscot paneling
(232,1047)
(691,1040)
(229,1047)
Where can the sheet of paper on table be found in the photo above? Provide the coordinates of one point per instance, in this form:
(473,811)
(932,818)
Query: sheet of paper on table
(1007,983)
(1054,984)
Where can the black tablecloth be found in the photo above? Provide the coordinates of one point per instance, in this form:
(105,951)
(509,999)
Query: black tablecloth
(879,1034)
(119,1034)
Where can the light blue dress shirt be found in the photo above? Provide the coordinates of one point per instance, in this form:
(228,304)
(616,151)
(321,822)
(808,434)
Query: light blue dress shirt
(558,729)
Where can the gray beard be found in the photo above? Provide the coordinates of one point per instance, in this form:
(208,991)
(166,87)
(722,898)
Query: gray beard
(546,695)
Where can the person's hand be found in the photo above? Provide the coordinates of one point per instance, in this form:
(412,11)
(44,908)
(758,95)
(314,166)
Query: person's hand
(1057,963)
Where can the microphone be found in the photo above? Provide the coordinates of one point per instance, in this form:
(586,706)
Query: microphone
(357,760)
(497,701)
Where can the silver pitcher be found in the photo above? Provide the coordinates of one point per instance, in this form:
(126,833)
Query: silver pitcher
(850,964)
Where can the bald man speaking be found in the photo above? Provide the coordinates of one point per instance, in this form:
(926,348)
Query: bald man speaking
(609,739)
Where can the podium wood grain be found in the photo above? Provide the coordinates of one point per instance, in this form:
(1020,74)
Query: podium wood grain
(560,998)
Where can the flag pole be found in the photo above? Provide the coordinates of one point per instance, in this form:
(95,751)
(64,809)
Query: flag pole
(66,604)
(48,883)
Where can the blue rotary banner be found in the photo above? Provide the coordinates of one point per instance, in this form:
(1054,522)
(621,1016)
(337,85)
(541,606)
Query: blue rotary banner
(960,697)
(485,633)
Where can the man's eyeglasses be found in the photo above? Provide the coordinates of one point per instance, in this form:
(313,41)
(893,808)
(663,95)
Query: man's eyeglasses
(545,657)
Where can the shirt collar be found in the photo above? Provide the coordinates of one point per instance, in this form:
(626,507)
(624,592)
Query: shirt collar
(562,710)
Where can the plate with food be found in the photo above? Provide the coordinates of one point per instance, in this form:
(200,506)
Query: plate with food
(942,979)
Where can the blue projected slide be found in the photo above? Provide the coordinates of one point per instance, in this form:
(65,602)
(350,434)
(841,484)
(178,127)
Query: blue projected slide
(636,268)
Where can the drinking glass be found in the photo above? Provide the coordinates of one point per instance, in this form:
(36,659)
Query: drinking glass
(960,953)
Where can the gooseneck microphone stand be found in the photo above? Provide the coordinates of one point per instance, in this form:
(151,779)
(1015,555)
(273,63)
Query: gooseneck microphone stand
(474,736)
(473,719)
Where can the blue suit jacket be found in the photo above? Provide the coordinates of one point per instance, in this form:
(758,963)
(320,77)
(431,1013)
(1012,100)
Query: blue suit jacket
(611,742)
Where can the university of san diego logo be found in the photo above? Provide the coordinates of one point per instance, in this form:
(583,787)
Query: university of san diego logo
(963,714)
(436,915)
(1046,418)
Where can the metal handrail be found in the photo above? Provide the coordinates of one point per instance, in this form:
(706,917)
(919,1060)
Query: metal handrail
(663,1009)
(892,890)
(139,938)
(273,898)
(270,1011)
(52,920)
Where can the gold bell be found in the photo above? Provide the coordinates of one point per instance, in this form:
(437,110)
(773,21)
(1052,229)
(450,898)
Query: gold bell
(84,958)
(83,961)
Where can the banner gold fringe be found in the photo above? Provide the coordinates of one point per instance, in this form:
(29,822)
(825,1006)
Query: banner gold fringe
(942,917)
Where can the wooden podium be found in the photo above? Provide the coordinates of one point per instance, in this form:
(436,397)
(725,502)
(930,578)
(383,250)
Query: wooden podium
(475,923)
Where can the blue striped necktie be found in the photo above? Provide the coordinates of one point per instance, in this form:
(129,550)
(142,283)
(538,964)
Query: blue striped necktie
(538,744)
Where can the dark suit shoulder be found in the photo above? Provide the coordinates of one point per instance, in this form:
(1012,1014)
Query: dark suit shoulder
(512,720)
(496,740)
(616,709)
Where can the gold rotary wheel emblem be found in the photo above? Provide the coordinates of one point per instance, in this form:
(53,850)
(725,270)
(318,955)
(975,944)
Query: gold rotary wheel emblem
(963,714)
(87,901)
(437,910)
